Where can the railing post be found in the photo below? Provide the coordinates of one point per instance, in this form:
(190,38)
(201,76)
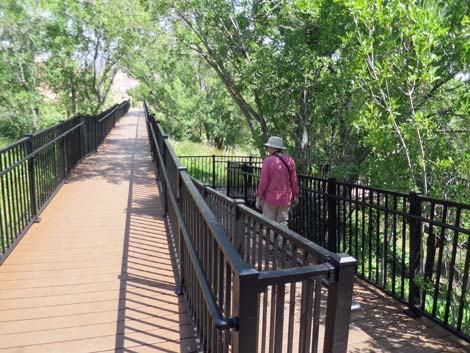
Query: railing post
(338,310)
(163,164)
(32,177)
(331,201)
(237,227)
(179,236)
(229,179)
(63,145)
(179,181)
(213,171)
(245,308)
(245,181)
(415,253)
(84,136)
(95,132)
(102,130)
(151,118)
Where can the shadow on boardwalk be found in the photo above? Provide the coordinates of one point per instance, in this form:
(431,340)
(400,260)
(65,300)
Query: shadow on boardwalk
(96,274)
(147,281)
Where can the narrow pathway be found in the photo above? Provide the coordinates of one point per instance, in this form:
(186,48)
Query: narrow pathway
(96,274)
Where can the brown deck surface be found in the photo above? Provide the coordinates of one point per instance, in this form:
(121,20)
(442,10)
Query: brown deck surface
(96,274)
(382,326)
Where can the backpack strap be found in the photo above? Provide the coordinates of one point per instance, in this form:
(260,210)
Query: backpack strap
(285,164)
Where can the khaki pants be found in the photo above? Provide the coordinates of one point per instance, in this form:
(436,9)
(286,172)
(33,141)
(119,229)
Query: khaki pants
(276,213)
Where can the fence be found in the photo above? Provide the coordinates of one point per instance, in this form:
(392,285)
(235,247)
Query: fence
(212,170)
(33,168)
(415,248)
(251,285)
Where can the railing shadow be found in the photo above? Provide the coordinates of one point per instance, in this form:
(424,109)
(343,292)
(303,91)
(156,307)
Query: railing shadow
(150,314)
(382,326)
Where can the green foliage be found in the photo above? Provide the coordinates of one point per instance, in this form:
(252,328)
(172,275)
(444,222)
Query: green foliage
(408,60)
(378,89)
(361,84)
(189,148)
(189,100)
(60,57)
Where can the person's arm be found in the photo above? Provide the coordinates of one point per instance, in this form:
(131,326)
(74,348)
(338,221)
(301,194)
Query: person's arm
(294,181)
(264,180)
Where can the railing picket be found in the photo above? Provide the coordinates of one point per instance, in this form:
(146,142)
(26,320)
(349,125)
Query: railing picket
(279,317)
(465,287)
(32,176)
(212,236)
(3,239)
(385,245)
(450,284)
(291,323)
(376,226)
(5,210)
(415,250)
(403,254)
(13,209)
(316,316)
(29,176)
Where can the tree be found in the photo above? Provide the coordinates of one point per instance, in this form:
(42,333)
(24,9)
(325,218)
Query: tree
(22,46)
(88,45)
(185,92)
(407,57)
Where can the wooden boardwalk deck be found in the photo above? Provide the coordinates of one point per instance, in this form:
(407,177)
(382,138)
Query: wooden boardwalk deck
(382,326)
(96,274)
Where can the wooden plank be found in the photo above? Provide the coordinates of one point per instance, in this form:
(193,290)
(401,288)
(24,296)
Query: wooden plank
(96,273)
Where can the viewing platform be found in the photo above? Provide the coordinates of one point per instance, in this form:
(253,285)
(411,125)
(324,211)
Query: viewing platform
(98,272)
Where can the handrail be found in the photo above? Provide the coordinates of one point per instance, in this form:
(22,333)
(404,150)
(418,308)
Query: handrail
(290,275)
(220,322)
(33,169)
(39,150)
(319,251)
(13,144)
(112,110)
(222,286)
(233,256)
(414,247)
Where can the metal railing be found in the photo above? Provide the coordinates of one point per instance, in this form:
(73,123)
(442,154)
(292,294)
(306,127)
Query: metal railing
(212,170)
(251,284)
(33,168)
(415,248)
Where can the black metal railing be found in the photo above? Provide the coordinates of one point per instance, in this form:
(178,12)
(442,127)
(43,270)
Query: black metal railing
(212,170)
(33,168)
(415,248)
(251,284)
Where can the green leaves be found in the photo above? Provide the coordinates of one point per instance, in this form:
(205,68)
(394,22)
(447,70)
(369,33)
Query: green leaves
(359,83)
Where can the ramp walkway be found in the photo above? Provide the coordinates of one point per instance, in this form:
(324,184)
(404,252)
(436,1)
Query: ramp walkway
(96,274)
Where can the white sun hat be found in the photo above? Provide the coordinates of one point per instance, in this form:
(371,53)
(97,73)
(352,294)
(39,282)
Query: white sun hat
(275,142)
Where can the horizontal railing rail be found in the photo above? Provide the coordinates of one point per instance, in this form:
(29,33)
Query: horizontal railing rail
(414,247)
(212,169)
(243,297)
(33,168)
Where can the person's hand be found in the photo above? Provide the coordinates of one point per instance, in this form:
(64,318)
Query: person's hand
(294,202)
(259,203)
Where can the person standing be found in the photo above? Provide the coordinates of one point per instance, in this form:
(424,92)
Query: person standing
(278,188)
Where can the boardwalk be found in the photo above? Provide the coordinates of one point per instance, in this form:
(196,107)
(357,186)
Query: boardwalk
(96,274)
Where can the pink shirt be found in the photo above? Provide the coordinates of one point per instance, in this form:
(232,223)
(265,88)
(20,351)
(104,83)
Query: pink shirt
(276,187)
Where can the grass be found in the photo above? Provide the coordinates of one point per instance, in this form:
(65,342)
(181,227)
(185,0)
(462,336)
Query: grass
(189,148)
(5,141)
